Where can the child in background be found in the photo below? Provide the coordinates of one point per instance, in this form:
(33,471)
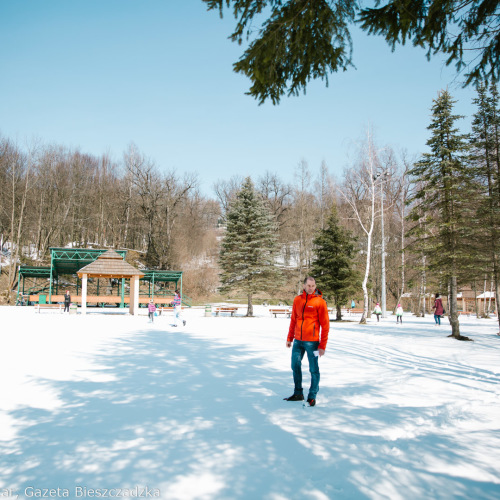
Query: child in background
(178,309)
(377,311)
(151,310)
(399,314)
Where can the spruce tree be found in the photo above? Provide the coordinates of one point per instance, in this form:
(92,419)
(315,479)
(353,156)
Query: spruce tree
(333,265)
(444,204)
(249,248)
(485,155)
(292,41)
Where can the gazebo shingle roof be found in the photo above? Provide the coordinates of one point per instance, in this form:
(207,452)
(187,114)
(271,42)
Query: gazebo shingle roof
(109,265)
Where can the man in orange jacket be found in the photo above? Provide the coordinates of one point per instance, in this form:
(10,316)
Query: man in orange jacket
(309,314)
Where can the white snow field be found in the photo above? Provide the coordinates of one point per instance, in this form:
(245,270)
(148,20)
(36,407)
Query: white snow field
(109,406)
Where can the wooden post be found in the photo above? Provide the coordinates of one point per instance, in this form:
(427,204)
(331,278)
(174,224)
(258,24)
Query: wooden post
(134,295)
(84,294)
(131,304)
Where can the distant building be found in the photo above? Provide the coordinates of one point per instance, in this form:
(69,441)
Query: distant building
(466,300)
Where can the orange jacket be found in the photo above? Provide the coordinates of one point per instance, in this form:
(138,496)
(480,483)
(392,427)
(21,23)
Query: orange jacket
(308,314)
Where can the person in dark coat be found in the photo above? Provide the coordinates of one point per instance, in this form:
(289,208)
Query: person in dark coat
(67,301)
(438,309)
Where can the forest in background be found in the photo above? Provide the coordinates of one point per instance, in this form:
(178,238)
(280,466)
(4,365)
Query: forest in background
(51,196)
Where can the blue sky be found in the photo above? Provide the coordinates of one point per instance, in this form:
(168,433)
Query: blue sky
(97,75)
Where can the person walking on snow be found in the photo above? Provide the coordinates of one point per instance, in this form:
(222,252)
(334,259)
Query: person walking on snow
(438,309)
(377,311)
(67,301)
(309,316)
(178,309)
(399,314)
(151,310)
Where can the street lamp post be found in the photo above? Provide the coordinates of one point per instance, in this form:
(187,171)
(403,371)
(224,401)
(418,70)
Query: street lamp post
(383,298)
(384,174)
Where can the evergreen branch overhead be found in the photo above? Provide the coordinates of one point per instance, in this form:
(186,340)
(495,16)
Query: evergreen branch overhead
(301,40)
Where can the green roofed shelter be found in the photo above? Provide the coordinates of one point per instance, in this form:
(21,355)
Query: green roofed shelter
(62,261)
(69,261)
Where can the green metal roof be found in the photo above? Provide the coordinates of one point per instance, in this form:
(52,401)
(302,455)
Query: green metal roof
(70,260)
(161,275)
(34,272)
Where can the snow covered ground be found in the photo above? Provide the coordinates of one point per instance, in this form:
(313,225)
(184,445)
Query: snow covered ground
(108,405)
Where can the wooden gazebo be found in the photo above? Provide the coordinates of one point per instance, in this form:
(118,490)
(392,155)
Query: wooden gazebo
(111,265)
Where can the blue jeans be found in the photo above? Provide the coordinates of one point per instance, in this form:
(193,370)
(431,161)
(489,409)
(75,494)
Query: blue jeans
(437,319)
(300,347)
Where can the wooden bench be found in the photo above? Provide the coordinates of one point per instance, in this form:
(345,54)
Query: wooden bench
(464,313)
(225,309)
(355,311)
(156,300)
(287,312)
(59,307)
(161,310)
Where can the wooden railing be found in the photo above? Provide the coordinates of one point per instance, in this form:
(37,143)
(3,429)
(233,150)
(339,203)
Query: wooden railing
(101,299)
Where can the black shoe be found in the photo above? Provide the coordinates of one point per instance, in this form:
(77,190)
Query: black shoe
(311,401)
(295,397)
(183,322)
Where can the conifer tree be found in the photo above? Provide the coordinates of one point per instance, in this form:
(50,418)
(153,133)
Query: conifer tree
(445,199)
(300,40)
(248,252)
(333,265)
(485,142)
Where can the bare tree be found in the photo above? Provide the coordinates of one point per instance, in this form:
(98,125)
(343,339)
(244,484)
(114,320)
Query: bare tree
(149,186)
(174,192)
(405,187)
(21,173)
(325,189)
(305,216)
(225,192)
(359,192)
(277,197)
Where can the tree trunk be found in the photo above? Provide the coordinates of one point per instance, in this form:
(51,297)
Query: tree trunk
(362,321)
(424,287)
(476,307)
(489,297)
(497,296)
(250,305)
(339,312)
(453,311)
(484,296)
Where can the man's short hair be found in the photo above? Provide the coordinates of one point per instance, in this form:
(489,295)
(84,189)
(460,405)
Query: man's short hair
(307,278)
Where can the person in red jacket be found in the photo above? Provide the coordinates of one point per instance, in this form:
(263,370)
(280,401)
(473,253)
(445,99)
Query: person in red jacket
(438,309)
(309,327)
